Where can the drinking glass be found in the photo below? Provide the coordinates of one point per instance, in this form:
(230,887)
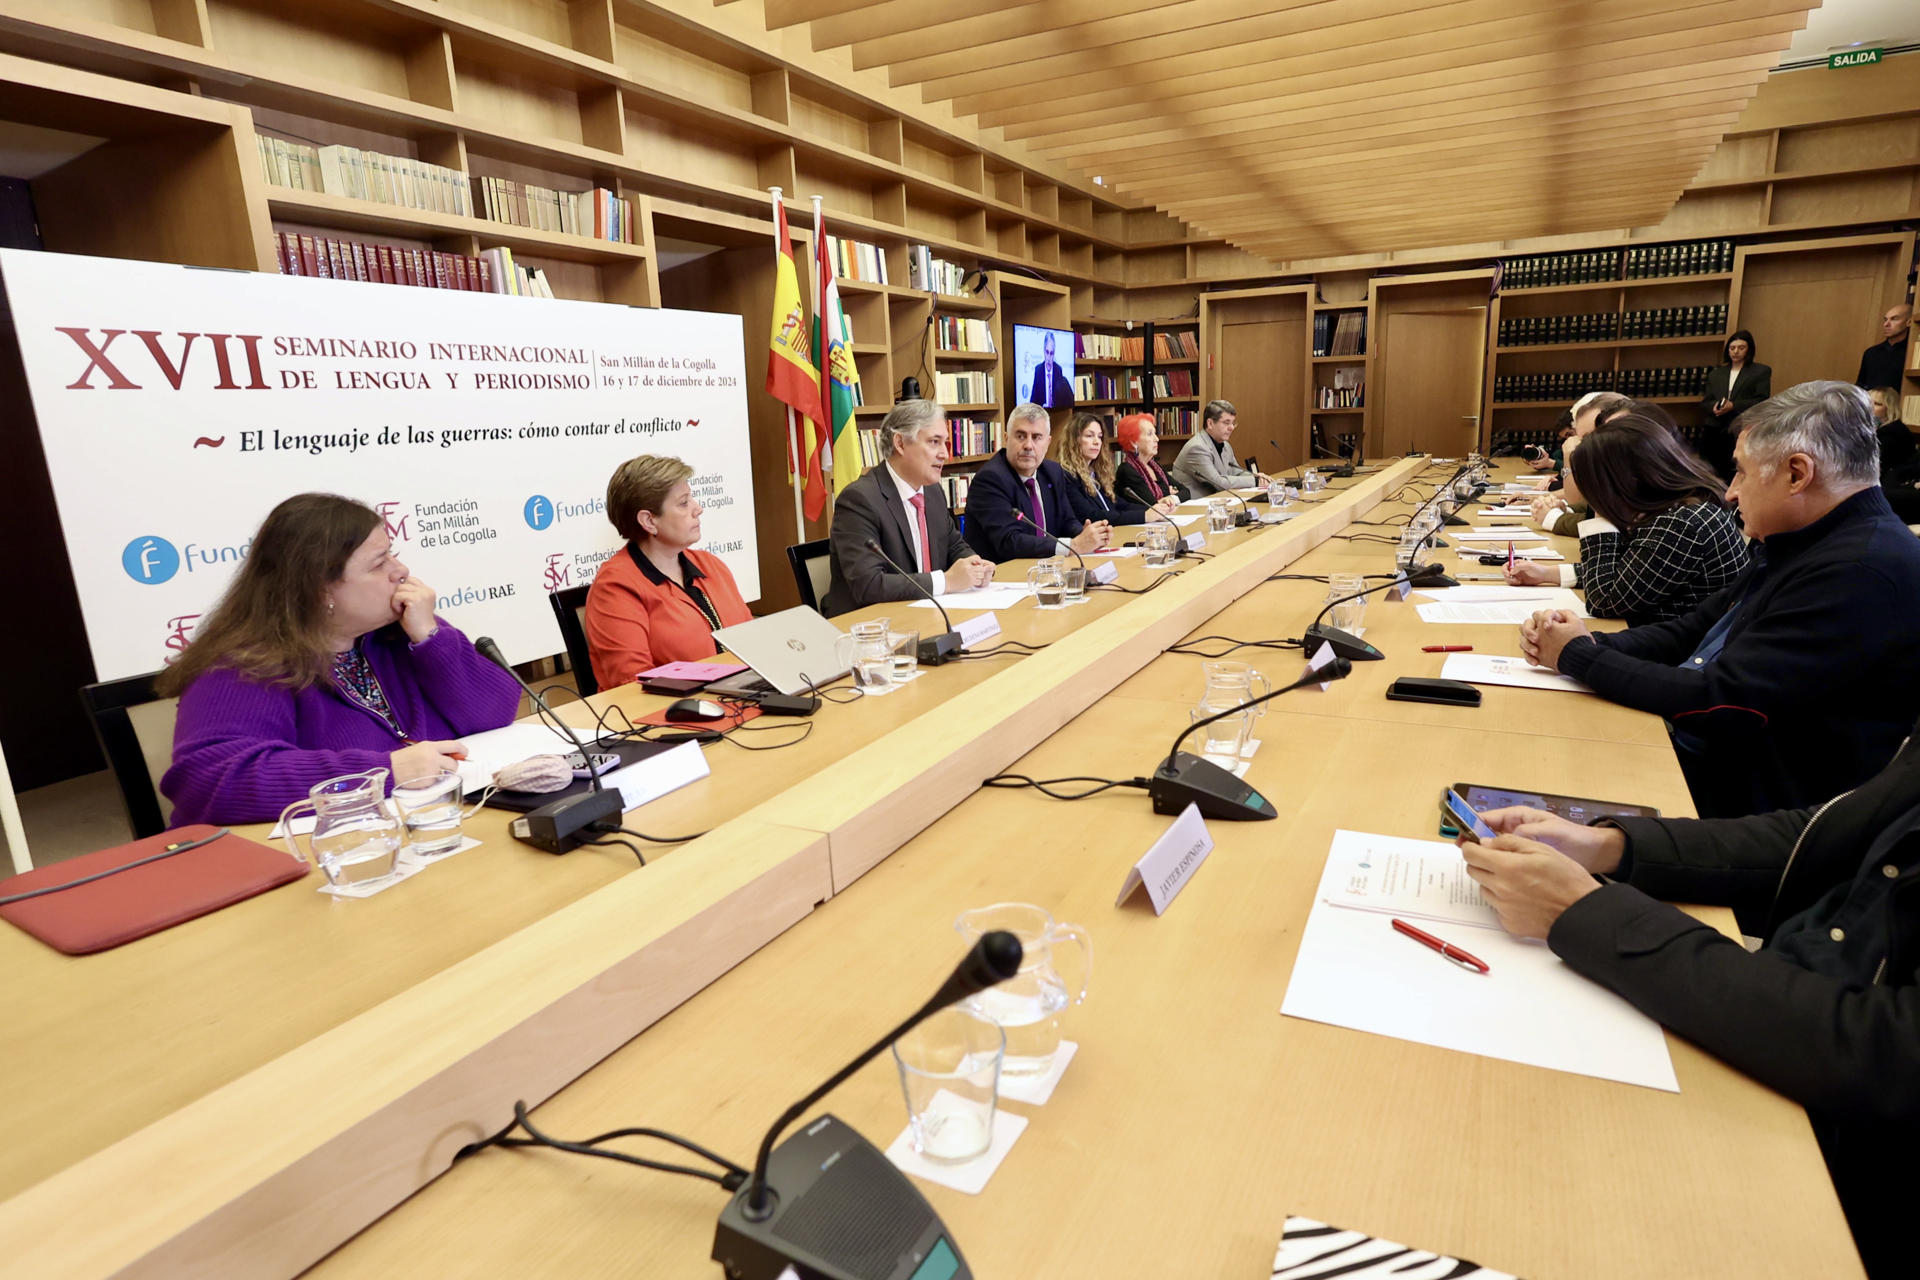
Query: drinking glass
(1028,1005)
(1347,615)
(430,808)
(1159,544)
(1312,481)
(950,1075)
(1279,493)
(1220,515)
(1073,585)
(1047,580)
(865,652)
(906,654)
(1222,741)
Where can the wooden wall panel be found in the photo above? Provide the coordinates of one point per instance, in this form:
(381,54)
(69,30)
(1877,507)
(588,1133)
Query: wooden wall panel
(307,41)
(1813,312)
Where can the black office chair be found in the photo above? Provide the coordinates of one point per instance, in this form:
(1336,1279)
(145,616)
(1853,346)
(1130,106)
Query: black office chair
(812,570)
(569,608)
(135,729)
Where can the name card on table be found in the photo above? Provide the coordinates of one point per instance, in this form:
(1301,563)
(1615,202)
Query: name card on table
(1104,572)
(1400,590)
(1195,541)
(1318,661)
(1175,856)
(981,626)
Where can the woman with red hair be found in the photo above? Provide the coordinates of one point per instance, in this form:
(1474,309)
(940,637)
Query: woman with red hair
(1141,479)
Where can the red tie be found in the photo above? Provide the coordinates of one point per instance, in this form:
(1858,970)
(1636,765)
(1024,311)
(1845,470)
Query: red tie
(919,502)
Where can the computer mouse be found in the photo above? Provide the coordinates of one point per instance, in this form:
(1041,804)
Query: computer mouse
(695,709)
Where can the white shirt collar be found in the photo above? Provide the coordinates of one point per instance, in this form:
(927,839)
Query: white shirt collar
(905,490)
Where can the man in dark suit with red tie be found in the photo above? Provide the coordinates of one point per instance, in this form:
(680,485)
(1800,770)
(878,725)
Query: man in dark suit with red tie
(901,506)
(1051,390)
(1017,506)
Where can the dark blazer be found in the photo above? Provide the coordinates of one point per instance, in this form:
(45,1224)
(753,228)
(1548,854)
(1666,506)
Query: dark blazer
(1843,1044)
(1062,397)
(1130,482)
(1754,385)
(1098,506)
(1819,678)
(870,507)
(997,492)
(1897,448)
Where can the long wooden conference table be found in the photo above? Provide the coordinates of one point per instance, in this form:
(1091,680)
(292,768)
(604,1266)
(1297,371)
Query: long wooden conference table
(281,1086)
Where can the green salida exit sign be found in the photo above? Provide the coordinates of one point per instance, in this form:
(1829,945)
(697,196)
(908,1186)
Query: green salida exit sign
(1854,58)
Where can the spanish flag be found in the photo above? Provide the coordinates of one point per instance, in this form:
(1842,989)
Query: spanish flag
(791,376)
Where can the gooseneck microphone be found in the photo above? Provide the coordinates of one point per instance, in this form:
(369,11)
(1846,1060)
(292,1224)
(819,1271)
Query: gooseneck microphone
(491,652)
(1433,534)
(934,650)
(1180,547)
(1184,778)
(572,820)
(828,1203)
(1021,516)
(1346,644)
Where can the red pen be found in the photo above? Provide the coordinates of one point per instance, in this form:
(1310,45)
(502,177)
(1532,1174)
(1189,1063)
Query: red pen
(1446,648)
(1509,557)
(1446,949)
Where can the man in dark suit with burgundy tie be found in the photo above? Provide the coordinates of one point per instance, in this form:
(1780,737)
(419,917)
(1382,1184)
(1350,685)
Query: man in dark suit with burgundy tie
(1051,390)
(1017,506)
(900,505)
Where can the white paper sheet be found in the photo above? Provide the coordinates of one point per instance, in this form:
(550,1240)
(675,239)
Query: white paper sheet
(1497,533)
(489,752)
(1489,668)
(1551,597)
(1354,970)
(1491,613)
(1506,513)
(995,595)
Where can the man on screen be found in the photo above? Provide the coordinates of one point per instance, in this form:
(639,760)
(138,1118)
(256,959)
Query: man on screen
(1051,390)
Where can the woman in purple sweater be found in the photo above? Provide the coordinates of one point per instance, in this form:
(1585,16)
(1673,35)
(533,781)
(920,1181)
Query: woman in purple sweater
(324,658)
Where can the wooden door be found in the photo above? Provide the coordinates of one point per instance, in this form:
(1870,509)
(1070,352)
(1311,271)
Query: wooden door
(1256,357)
(1431,362)
(1812,313)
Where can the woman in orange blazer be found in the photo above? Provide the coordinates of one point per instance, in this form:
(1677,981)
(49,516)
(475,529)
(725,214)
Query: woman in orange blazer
(656,600)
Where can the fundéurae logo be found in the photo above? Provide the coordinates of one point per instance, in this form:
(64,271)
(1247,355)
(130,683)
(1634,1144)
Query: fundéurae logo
(150,560)
(538,511)
(542,512)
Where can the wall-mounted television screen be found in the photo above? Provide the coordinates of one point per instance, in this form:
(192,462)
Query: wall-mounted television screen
(1043,366)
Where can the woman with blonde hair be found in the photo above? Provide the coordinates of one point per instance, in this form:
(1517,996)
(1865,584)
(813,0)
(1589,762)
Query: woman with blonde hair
(657,600)
(1081,450)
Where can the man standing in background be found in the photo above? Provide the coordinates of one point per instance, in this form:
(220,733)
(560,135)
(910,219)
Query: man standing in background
(1882,363)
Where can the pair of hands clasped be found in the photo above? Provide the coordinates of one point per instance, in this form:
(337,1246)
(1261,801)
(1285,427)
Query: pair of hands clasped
(1539,865)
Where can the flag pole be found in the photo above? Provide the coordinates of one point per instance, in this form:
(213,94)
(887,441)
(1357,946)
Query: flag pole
(821,267)
(793,434)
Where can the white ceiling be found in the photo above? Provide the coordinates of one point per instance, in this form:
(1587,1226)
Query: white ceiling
(1844,22)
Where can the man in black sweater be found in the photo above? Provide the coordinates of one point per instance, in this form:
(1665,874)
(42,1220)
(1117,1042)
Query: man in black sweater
(1827,1013)
(1800,679)
(1882,363)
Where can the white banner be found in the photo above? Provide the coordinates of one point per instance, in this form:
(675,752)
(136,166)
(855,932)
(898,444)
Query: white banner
(178,405)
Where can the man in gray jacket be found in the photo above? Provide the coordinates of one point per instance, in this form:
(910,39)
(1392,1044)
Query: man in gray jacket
(1207,465)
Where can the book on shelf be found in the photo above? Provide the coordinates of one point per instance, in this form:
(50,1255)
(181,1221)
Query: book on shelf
(1348,390)
(598,213)
(1690,380)
(1340,333)
(956,487)
(962,333)
(326,257)
(1180,422)
(857,260)
(1174,382)
(972,437)
(364,175)
(1181,344)
(972,386)
(1096,386)
(1133,348)
(1910,409)
(924,271)
(1096,346)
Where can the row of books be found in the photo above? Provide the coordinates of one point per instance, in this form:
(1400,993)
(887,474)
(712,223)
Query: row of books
(365,175)
(924,271)
(972,437)
(1347,391)
(1340,333)
(1180,344)
(1910,409)
(857,260)
(956,487)
(1095,386)
(1096,346)
(1176,422)
(1590,266)
(962,333)
(1639,383)
(598,213)
(974,386)
(1695,258)
(306,255)
(1174,382)
(1606,326)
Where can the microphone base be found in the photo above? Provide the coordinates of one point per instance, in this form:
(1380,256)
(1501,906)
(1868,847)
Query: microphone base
(566,824)
(1213,790)
(1345,644)
(1456,521)
(1343,471)
(848,1214)
(939,650)
(1432,577)
(1241,519)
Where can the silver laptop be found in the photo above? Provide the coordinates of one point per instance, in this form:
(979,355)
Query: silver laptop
(785,649)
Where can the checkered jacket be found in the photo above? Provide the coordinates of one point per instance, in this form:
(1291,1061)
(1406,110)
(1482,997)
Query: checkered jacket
(1666,567)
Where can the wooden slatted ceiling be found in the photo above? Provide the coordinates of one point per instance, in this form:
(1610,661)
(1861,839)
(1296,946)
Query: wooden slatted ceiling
(1313,128)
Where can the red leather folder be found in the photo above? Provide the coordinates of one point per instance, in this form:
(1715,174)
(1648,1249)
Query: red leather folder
(144,900)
